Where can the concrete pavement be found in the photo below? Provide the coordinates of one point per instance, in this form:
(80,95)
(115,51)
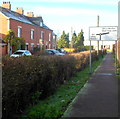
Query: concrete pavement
(99,96)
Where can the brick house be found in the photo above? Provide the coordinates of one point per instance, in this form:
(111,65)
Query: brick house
(3,48)
(32,29)
(118,52)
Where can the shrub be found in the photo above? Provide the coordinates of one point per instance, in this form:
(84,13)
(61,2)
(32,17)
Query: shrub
(23,77)
(29,79)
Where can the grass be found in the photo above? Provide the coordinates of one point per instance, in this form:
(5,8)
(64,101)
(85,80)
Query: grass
(54,106)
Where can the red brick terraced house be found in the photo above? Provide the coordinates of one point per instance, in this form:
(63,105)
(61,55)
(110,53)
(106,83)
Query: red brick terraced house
(32,29)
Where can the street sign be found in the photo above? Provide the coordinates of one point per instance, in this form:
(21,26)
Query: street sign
(108,33)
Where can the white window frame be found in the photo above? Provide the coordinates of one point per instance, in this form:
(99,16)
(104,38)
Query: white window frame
(32,34)
(19,31)
(49,36)
(42,35)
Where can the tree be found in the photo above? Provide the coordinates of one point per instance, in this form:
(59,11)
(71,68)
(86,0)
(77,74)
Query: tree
(14,42)
(63,41)
(80,40)
(74,40)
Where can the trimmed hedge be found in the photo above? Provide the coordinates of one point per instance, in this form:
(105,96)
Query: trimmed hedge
(29,79)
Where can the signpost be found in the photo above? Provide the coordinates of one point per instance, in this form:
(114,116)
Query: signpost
(102,33)
(112,30)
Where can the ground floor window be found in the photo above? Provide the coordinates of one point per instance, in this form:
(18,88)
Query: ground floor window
(32,46)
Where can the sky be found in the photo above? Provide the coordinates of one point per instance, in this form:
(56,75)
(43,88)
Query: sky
(71,15)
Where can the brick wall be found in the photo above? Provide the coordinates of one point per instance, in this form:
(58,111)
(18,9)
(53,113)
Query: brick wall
(26,33)
(3,49)
(119,51)
(4,24)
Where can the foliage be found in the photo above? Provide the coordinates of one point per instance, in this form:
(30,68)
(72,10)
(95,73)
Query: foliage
(70,50)
(15,42)
(63,41)
(54,106)
(24,76)
(74,40)
(80,40)
(26,80)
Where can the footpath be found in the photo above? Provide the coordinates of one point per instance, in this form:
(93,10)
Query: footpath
(99,96)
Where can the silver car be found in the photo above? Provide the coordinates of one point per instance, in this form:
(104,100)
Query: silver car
(19,53)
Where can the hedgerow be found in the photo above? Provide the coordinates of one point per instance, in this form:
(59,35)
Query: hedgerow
(26,80)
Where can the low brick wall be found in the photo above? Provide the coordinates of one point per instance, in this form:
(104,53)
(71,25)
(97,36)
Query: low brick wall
(3,49)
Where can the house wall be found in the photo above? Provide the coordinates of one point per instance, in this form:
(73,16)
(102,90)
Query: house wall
(3,49)
(4,25)
(47,42)
(7,24)
(119,51)
(26,33)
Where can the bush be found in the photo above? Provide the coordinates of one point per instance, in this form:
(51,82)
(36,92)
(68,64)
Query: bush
(23,77)
(29,79)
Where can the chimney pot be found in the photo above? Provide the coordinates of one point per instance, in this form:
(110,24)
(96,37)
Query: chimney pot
(6,5)
(30,14)
(20,10)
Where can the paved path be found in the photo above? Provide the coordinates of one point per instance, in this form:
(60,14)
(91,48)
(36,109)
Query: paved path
(99,96)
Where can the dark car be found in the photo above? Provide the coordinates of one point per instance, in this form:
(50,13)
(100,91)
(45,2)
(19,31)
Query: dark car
(54,52)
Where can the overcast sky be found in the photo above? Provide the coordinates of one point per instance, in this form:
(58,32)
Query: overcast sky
(61,15)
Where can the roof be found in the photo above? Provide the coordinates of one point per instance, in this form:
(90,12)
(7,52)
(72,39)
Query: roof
(22,18)
(53,34)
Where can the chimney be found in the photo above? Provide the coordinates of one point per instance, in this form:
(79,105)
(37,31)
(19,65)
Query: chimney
(6,5)
(30,14)
(20,10)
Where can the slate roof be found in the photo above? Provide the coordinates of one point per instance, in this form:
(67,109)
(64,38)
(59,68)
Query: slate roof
(22,18)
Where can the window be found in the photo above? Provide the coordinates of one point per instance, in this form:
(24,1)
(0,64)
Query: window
(49,46)
(32,46)
(49,36)
(41,24)
(32,34)
(26,47)
(38,46)
(19,31)
(42,35)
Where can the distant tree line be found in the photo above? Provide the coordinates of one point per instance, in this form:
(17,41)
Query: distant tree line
(77,41)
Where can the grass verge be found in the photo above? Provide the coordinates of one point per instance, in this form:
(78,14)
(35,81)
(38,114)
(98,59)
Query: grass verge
(54,106)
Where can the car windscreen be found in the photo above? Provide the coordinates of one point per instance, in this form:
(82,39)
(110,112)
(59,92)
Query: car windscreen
(19,53)
(56,51)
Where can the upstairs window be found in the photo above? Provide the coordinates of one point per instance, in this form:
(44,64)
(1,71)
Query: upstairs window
(49,36)
(42,35)
(32,34)
(19,31)
(41,24)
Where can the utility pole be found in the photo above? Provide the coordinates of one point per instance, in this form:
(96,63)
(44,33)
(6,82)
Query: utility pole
(98,19)
(71,36)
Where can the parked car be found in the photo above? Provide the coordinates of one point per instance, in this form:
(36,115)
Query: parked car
(19,53)
(62,50)
(53,52)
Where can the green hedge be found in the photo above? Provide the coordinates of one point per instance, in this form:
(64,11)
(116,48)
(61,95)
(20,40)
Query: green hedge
(29,79)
